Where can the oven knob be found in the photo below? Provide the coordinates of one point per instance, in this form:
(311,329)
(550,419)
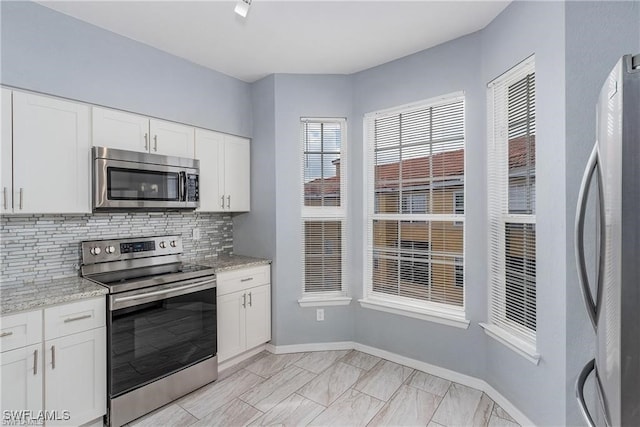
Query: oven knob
(95,251)
(173,243)
(109,249)
(162,245)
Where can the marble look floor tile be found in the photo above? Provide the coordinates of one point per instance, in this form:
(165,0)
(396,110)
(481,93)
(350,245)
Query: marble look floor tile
(272,391)
(432,424)
(429,383)
(351,409)
(273,363)
(235,368)
(332,383)
(210,397)
(318,361)
(295,410)
(498,411)
(383,380)
(496,421)
(170,415)
(361,360)
(234,413)
(408,407)
(463,406)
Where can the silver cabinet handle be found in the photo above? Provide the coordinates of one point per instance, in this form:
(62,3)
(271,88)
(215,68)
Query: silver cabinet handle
(229,202)
(53,357)
(222,201)
(6,198)
(582,378)
(6,334)
(592,306)
(247,279)
(146,141)
(21,196)
(250,300)
(244,300)
(155,142)
(35,362)
(73,319)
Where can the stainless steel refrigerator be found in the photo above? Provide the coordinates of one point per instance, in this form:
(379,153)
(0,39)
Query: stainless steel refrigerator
(613,301)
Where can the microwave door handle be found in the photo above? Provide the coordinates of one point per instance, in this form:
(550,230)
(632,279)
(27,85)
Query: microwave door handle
(182,184)
(582,379)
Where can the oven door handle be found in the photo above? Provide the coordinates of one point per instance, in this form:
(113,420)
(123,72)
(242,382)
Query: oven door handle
(131,300)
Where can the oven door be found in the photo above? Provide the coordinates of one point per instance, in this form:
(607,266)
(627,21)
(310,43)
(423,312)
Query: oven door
(154,332)
(123,184)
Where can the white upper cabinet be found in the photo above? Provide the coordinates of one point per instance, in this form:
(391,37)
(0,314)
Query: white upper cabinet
(224,172)
(51,155)
(6,161)
(127,131)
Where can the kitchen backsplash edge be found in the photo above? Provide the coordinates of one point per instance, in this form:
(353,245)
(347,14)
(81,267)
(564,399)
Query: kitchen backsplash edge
(38,248)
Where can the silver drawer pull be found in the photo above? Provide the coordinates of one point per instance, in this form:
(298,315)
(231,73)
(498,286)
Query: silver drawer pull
(247,279)
(6,334)
(73,319)
(35,362)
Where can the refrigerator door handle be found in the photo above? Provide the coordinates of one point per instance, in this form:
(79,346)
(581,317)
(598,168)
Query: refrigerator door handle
(582,379)
(592,306)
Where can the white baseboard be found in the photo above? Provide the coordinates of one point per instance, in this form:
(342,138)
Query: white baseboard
(241,357)
(438,371)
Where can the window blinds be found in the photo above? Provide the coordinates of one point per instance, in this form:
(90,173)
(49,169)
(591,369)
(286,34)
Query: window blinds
(323,201)
(415,219)
(511,182)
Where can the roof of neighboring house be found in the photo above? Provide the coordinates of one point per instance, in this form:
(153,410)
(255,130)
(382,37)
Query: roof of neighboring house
(446,165)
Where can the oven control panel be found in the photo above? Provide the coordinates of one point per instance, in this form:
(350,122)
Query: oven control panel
(97,251)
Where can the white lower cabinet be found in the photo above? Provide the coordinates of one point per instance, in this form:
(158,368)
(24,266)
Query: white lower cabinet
(60,376)
(244,310)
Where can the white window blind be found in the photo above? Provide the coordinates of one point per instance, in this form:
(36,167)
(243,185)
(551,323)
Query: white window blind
(415,222)
(512,221)
(323,206)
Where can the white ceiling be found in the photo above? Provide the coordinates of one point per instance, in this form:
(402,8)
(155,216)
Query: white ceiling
(314,37)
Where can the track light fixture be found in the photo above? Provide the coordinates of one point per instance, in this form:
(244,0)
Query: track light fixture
(242,7)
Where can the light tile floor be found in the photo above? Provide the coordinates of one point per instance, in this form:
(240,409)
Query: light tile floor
(329,388)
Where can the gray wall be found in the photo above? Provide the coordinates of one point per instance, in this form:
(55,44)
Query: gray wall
(597,35)
(522,29)
(447,68)
(46,51)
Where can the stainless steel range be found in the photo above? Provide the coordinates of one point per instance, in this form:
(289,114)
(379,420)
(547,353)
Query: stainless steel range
(161,322)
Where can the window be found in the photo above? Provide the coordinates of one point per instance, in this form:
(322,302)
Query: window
(415,170)
(323,210)
(511,180)
(458,271)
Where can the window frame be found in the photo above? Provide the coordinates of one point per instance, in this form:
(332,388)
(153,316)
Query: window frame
(325,214)
(446,314)
(499,325)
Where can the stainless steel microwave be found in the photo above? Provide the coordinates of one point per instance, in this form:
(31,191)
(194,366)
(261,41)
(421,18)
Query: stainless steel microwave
(132,180)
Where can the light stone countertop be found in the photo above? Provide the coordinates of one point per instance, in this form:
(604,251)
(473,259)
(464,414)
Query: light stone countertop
(232,262)
(23,297)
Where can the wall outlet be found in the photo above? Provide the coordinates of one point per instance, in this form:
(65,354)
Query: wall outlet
(320,314)
(196,234)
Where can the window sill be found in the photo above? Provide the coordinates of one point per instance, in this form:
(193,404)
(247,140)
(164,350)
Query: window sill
(321,301)
(515,344)
(446,317)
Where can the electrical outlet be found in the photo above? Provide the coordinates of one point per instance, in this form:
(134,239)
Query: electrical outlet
(320,314)
(196,234)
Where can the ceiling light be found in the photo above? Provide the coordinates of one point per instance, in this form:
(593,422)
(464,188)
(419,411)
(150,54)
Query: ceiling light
(242,7)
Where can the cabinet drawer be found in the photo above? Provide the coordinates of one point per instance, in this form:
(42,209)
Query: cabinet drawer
(74,317)
(244,278)
(19,330)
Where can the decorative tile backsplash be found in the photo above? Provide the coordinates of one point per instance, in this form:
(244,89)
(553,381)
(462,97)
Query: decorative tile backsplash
(37,248)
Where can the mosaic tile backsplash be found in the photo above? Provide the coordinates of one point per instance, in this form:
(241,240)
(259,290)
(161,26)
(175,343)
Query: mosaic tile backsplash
(38,248)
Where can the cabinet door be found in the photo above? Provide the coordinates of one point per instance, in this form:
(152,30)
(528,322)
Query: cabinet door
(258,315)
(209,149)
(117,129)
(21,371)
(51,155)
(77,381)
(6,161)
(231,325)
(237,173)
(171,139)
